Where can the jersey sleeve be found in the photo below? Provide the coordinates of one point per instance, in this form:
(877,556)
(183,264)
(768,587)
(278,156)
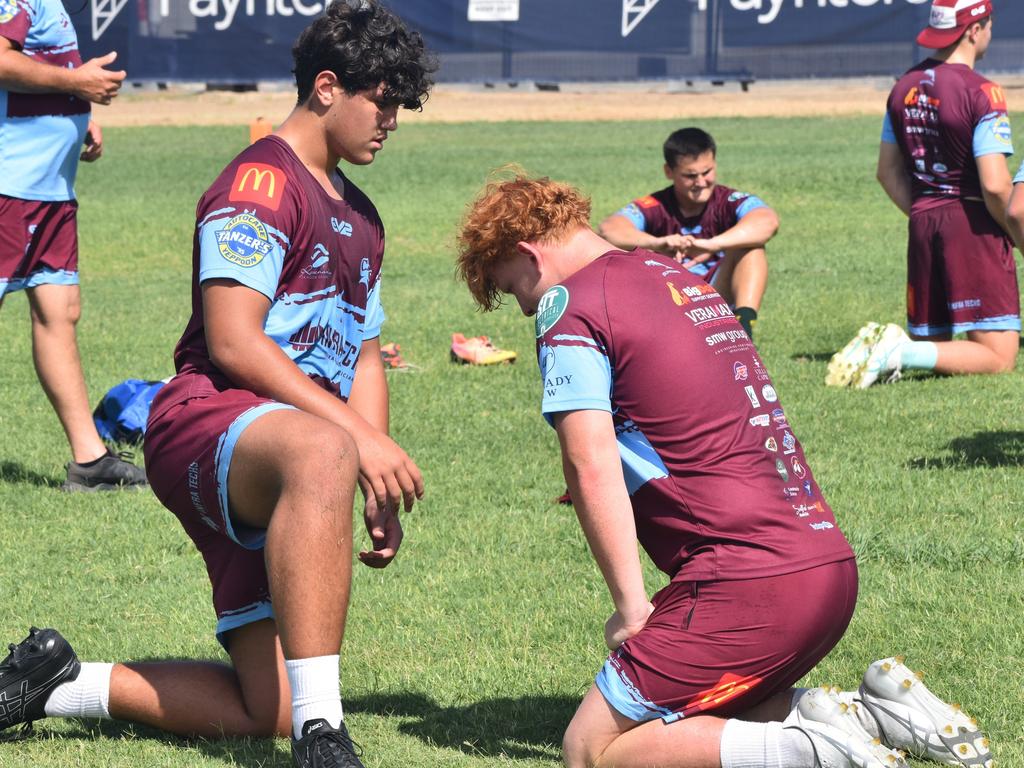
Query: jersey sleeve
(246,233)
(743,203)
(1019,178)
(16,20)
(635,216)
(375,316)
(992,133)
(575,371)
(888,132)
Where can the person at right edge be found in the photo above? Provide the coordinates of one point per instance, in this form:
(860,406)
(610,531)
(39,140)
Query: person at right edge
(942,161)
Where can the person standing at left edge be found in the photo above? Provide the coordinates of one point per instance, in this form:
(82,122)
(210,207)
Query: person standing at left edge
(45,91)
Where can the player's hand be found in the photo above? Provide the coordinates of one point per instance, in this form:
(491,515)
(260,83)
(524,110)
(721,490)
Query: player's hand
(670,245)
(93,143)
(386,471)
(385,531)
(697,250)
(94,83)
(619,628)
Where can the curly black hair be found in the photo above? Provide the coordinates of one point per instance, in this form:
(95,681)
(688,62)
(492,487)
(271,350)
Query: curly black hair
(364,44)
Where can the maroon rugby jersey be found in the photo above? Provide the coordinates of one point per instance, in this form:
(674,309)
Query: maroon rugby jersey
(719,484)
(266,223)
(659,214)
(943,116)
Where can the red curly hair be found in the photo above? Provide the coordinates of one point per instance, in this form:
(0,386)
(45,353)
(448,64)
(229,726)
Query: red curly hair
(507,212)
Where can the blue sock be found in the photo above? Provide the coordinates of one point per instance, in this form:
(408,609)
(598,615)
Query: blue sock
(919,354)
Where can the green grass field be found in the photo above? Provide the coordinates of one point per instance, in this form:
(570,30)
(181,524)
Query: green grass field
(475,646)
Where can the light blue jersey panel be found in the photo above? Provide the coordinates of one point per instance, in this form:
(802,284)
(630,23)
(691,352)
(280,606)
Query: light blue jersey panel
(578,378)
(888,134)
(238,246)
(751,203)
(1019,178)
(635,215)
(39,155)
(992,135)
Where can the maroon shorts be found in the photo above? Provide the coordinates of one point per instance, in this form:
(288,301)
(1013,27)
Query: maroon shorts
(722,647)
(960,272)
(192,431)
(38,243)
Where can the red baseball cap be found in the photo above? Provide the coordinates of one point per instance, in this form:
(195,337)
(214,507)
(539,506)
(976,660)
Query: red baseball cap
(949,20)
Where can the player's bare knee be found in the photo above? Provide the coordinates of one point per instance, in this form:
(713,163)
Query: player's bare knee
(328,460)
(575,753)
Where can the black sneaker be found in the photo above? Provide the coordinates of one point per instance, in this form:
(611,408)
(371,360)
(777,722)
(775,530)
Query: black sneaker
(108,473)
(32,669)
(322,746)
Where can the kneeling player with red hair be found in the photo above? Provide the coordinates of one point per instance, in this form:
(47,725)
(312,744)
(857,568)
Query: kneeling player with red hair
(691,453)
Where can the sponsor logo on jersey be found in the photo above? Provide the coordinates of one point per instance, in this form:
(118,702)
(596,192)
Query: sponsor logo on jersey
(667,270)
(780,467)
(647,202)
(546,360)
(737,196)
(798,468)
(550,308)
(717,338)
(768,393)
(729,686)
(1001,130)
(805,510)
(779,417)
(752,396)
(790,492)
(996,96)
(258,183)
(712,314)
(761,420)
(808,489)
(760,372)
(244,240)
(343,228)
(364,272)
(689,293)
(916,98)
(739,371)
(8,10)
(771,445)
(318,259)
(788,442)
(824,525)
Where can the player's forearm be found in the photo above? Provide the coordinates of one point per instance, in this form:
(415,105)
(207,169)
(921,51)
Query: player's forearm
(752,231)
(996,203)
(622,234)
(594,476)
(22,74)
(253,361)
(369,396)
(897,187)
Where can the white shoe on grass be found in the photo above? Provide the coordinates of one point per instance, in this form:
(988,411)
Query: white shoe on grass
(912,718)
(883,359)
(846,362)
(838,739)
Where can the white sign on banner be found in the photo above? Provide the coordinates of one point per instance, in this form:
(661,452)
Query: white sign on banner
(494,10)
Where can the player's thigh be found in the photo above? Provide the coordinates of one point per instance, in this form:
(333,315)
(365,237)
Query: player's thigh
(52,304)
(288,451)
(256,655)
(595,725)
(1005,344)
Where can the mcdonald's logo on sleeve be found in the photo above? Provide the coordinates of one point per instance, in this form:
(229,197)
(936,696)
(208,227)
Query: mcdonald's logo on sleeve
(996,96)
(258,183)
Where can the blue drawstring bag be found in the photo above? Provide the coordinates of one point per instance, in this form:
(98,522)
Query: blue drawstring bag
(122,414)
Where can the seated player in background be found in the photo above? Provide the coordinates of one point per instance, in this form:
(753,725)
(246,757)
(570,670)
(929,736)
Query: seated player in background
(278,411)
(691,454)
(942,161)
(717,233)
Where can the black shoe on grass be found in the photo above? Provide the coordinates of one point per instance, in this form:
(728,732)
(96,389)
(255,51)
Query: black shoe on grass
(107,473)
(32,669)
(322,746)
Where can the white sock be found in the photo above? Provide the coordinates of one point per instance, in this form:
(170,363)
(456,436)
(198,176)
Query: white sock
(86,696)
(316,691)
(764,745)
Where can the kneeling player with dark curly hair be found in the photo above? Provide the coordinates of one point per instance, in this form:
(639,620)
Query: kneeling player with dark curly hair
(278,410)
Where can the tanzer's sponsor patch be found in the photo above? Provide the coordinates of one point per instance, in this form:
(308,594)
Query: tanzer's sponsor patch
(244,240)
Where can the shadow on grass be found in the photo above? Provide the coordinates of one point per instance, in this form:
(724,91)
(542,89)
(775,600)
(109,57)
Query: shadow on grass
(812,357)
(13,472)
(517,728)
(982,449)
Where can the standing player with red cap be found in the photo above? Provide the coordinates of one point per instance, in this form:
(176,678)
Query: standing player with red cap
(942,161)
